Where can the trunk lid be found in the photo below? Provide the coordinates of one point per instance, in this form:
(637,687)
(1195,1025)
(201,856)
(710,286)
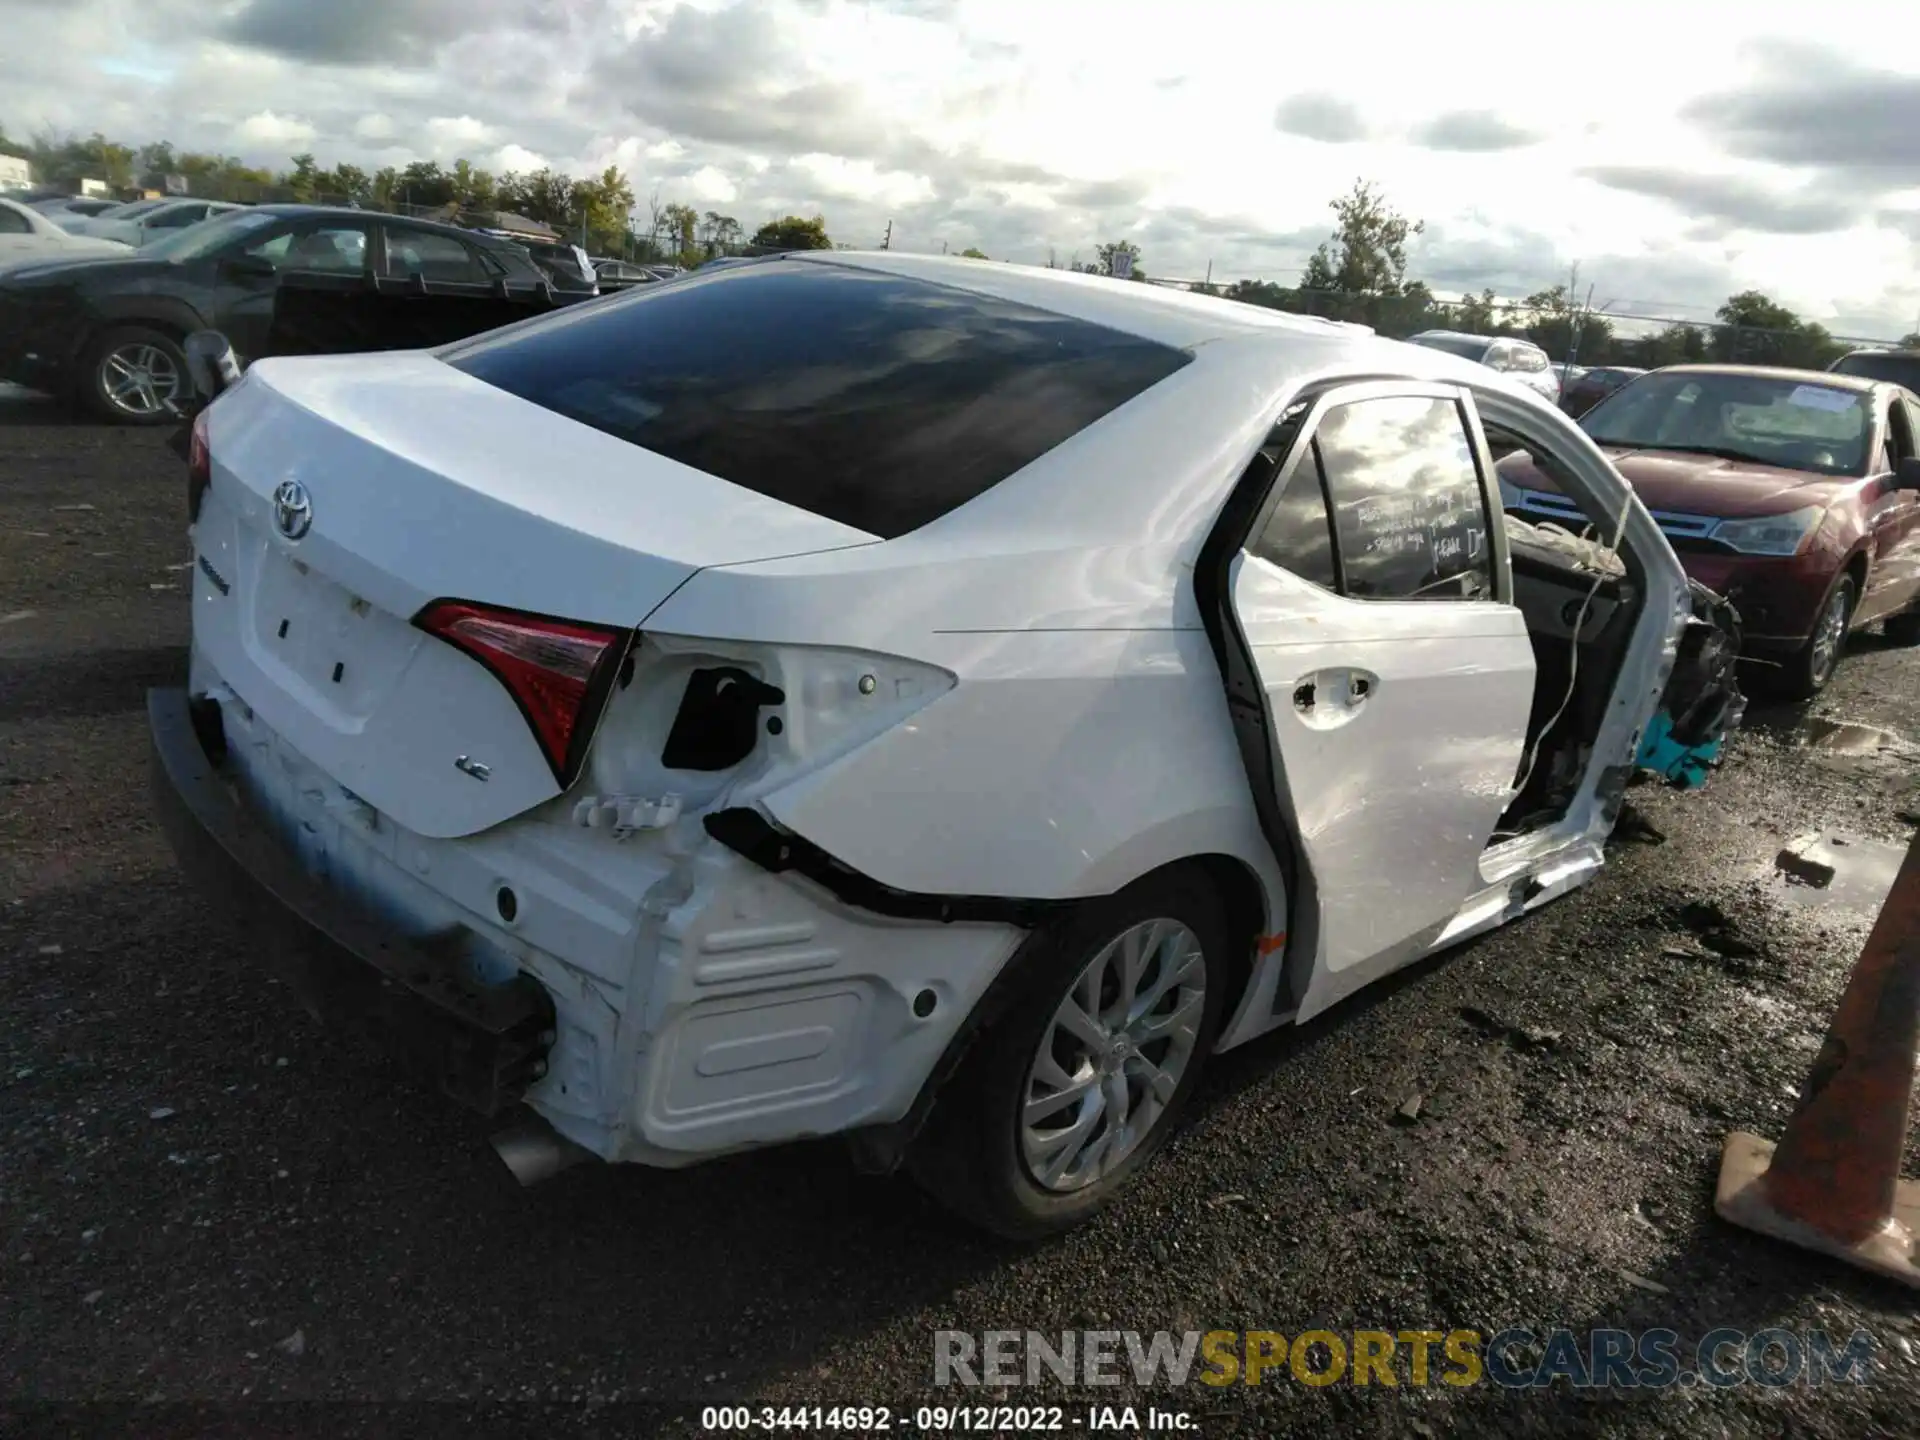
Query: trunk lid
(422,484)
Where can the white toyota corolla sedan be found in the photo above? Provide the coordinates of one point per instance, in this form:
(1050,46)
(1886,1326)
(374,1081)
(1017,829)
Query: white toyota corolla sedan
(925,701)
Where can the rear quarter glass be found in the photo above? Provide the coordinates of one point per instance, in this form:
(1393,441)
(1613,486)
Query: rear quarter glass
(875,401)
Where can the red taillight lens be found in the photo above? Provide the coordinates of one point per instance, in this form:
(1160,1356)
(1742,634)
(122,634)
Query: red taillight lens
(557,672)
(199,467)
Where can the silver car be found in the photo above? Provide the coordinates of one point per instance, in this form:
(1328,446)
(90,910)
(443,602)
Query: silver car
(1522,359)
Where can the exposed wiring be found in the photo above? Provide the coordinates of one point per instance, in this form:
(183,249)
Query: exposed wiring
(1573,663)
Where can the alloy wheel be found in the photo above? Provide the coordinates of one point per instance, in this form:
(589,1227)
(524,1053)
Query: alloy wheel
(140,379)
(1829,635)
(1113,1056)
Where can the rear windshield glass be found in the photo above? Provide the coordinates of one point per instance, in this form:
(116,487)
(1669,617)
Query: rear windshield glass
(1899,369)
(878,402)
(1467,347)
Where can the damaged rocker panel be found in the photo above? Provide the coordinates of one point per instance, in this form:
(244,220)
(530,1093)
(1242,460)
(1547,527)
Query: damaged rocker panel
(777,850)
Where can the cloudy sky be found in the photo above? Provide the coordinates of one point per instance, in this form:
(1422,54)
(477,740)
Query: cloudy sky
(1677,152)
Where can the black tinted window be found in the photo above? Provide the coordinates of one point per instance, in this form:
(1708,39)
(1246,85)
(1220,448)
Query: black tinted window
(1900,369)
(1297,535)
(1467,347)
(1408,508)
(432,256)
(876,401)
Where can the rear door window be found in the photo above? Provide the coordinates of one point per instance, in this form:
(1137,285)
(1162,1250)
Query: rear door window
(433,256)
(1409,511)
(874,400)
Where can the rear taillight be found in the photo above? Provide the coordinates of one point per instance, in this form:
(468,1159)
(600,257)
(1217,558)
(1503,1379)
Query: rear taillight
(199,467)
(558,672)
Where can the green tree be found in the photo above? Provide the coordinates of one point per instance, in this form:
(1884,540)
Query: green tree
(1478,314)
(680,233)
(1264,293)
(1909,341)
(472,187)
(791,232)
(303,180)
(1110,262)
(348,184)
(425,183)
(66,159)
(1367,253)
(720,233)
(1755,330)
(17,148)
(158,159)
(605,205)
(1551,318)
(973,252)
(386,187)
(548,196)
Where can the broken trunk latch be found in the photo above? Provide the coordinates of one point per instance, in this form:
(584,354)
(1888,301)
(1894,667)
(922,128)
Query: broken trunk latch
(624,814)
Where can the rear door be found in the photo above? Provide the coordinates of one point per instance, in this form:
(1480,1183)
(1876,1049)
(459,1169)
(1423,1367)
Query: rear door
(1894,515)
(1395,673)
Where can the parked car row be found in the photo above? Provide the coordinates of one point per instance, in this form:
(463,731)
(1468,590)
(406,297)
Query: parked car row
(107,330)
(27,236)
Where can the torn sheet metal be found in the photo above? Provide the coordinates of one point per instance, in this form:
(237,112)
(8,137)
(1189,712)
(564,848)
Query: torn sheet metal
(1703,703)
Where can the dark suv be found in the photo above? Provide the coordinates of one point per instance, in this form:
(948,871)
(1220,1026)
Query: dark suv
(1899,367)
(107,331)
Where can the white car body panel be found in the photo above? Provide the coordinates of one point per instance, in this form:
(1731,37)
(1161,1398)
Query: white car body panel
(44,241)
(1047,721)
(527,525)
(140,229)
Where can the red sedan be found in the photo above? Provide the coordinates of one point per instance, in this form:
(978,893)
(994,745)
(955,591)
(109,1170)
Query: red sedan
(1794,493)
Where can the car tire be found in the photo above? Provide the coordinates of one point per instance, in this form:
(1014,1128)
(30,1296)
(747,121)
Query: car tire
(1806,672)
(980,1158)
(129,373)
(1903,629)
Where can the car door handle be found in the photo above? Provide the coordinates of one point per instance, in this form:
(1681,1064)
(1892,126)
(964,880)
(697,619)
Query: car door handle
(1328,698)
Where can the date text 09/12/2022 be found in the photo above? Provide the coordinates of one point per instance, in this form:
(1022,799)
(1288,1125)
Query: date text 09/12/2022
(948,1419)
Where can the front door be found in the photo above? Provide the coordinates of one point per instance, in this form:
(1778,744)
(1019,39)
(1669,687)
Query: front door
(1396,674)
(338,247)
(1894,514)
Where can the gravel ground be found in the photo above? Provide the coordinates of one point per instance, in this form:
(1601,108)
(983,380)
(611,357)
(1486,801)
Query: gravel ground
(204,1198)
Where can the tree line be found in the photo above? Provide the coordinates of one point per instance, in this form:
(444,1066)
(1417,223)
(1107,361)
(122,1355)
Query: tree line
(1359,273)
(600,211)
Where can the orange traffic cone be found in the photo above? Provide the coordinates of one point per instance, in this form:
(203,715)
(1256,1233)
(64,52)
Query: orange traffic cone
(1833,1183)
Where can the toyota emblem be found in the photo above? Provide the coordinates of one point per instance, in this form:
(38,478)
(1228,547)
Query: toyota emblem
(292,509)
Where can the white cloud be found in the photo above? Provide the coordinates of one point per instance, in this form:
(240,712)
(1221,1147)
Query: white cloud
(517,157)
(457,135)
(712,186)
(267,128)
(1021,127)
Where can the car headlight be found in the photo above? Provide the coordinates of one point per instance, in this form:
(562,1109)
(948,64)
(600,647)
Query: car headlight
(1770,534)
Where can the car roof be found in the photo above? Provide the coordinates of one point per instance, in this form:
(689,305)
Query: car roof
(1153,312)
(347,212)
(1781,372)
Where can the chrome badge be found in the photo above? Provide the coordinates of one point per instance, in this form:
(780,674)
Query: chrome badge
(292,509)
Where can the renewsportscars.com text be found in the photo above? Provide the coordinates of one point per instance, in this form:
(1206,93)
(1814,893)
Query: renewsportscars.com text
(1515,1358)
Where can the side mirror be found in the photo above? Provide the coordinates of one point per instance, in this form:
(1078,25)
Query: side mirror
(1907,477)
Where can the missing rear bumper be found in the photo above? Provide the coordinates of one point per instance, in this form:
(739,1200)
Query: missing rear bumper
(483,1045)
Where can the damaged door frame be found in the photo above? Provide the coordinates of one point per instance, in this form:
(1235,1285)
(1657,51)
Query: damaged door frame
(1519,874)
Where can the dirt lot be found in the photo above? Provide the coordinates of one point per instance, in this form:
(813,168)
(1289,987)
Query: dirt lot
(192,1175)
